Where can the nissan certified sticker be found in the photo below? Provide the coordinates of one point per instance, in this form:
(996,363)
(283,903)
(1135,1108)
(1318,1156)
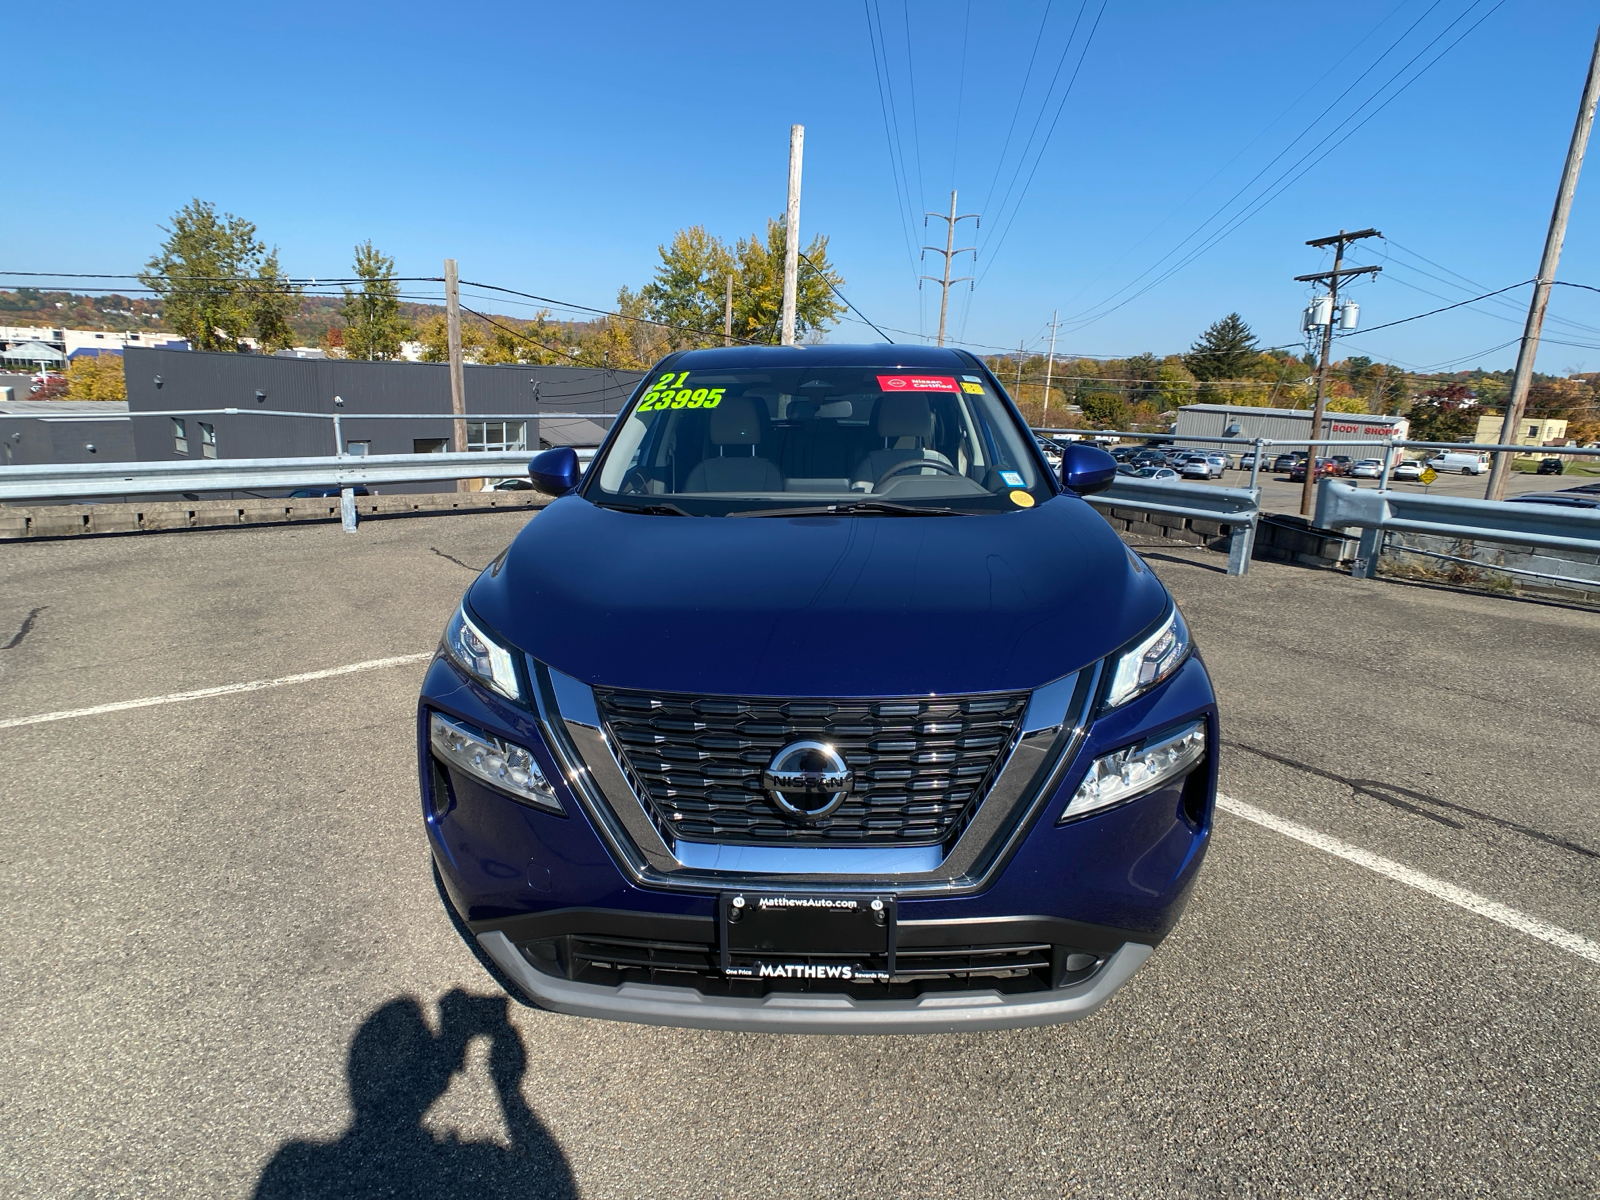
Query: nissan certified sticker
(918,383)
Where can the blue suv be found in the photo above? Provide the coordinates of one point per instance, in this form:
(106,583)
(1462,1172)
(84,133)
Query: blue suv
(818,704)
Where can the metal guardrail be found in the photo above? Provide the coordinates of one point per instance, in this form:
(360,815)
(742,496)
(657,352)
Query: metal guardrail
(1344,506)
(90,480)
(1239,508)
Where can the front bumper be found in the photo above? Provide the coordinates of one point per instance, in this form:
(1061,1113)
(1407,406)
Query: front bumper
(810,1012)
(1119,879)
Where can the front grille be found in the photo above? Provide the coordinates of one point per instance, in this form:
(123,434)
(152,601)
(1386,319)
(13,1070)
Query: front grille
(1010,969)
(921,765)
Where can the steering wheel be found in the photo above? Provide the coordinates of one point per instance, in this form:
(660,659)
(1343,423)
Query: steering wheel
(914,464)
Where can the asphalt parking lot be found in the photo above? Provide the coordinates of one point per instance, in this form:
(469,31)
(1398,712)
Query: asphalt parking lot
(227,968)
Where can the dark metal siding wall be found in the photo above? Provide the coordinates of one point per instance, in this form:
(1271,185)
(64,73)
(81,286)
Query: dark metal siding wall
(195,380)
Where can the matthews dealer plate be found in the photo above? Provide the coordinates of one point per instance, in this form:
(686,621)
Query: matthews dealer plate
(795,935)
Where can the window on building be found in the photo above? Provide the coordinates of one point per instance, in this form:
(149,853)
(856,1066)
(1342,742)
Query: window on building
(1533,431)
(492,436)
(358,449)
(180,436)
(429,445)
(208,440)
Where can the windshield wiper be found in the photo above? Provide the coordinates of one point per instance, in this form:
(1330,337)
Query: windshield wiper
(658,509)
(883,508)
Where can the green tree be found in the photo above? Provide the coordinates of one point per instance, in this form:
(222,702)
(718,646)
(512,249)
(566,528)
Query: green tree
(274,301)
(373,326)
(688,292)
(1106,409)
(218,282)
(1227,350)
(758,292)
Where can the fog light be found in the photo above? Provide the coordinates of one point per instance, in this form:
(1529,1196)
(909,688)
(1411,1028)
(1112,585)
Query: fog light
(1129,773)
(501,764)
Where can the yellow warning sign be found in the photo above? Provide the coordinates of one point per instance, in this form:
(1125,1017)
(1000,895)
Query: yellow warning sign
(1428,475)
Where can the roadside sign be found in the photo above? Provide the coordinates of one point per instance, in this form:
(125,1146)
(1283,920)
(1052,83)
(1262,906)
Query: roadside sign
(1428,475)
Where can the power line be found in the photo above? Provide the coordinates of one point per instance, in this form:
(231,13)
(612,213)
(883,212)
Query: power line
(1044,145)
(822,276)
(1446,308)
(885,105)
(1022,93)
(1295,171)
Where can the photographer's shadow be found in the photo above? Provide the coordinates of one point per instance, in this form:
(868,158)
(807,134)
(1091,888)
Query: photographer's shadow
(398,1068)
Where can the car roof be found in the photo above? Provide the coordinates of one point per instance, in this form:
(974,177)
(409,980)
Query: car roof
(828,354)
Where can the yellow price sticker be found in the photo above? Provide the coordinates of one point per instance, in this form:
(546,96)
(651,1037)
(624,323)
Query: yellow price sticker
(975,389)
(672,391)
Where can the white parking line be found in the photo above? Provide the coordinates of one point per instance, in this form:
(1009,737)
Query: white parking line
(1438,888)
(205,693)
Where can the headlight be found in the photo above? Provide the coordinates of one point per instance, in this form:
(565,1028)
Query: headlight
(1151,661)
(1125,774)
(501,764)
(480,656)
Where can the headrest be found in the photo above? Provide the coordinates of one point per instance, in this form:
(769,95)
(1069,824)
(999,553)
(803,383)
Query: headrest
(736,422)
(905,416)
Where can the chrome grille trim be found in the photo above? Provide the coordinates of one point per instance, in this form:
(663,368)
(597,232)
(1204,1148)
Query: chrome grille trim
(922,764)
(1052,732)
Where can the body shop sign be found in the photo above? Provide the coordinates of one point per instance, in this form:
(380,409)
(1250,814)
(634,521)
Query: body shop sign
(918,383)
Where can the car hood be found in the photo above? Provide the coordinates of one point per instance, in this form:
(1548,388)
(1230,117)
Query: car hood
(818,606)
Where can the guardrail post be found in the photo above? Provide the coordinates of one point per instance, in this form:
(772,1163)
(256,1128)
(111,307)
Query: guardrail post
(1241,546)
(347,509)
(1370,546)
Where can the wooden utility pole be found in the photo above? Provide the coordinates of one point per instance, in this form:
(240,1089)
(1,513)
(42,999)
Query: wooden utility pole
(727,315)
(1331,278)
(949,251)
(1022,357)
(458,382)
(1518,400)
(1050,364)
(791,235)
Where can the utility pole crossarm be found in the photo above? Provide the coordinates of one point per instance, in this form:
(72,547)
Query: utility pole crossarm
(1325,276)
(1342,236)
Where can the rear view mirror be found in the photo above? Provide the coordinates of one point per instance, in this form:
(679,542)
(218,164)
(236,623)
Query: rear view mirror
(1087,469)
(554,472)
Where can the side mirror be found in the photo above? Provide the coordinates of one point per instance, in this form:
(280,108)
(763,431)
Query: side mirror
(1087,469)
(554,472)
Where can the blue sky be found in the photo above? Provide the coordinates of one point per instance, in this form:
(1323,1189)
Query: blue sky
(552,148)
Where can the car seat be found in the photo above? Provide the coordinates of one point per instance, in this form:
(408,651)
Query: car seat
(900,419)
(736,422)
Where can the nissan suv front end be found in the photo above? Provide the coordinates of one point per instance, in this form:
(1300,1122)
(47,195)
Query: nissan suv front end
(818,704)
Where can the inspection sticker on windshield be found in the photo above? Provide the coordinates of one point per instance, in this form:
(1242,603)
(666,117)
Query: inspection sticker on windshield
(917,383)
(1012,478)
(975,389)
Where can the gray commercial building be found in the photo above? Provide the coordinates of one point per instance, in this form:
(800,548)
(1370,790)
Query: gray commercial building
(1284,425)
(37,432)
(163,381)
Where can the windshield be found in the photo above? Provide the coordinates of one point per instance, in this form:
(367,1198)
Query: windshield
(869,439)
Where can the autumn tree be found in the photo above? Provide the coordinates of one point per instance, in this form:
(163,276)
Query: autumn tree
(373,326)
(218,281)
(1444,413)
(96,377)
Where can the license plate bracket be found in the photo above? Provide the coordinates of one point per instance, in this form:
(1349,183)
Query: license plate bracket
(793,930)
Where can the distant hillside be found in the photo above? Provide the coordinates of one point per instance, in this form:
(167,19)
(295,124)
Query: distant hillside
(30,306)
